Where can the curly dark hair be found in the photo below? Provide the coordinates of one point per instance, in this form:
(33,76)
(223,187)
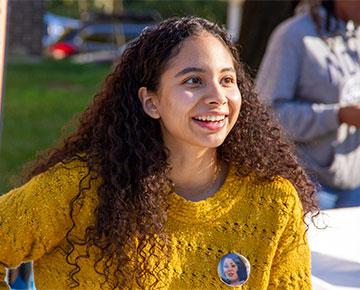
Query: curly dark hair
(123,147)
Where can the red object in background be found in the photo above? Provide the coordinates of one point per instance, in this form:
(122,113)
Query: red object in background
(61,50)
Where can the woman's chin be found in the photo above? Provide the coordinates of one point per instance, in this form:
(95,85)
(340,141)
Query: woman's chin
(212,141)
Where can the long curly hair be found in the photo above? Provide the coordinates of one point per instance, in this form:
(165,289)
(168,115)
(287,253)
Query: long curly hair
(124,148)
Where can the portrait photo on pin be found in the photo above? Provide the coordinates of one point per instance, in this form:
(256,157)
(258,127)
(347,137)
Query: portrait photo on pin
(233,269)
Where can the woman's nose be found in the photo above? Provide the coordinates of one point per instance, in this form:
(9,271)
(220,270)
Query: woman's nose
(216,95)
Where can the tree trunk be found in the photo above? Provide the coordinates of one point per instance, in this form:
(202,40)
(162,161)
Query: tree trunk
(259,18)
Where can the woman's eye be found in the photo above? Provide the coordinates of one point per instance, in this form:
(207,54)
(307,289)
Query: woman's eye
(227,81)
(193,81)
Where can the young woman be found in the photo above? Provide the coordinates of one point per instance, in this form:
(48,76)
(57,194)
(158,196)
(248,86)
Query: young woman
(174,165)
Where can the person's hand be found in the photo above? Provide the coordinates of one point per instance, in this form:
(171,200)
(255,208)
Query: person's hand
(350,115)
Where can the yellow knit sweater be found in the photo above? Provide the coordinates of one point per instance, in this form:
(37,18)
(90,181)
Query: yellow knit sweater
(262,222)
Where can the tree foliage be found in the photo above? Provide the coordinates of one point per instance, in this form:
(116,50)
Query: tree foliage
(214,10)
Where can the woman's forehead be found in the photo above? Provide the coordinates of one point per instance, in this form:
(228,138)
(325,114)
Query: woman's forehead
(201,50)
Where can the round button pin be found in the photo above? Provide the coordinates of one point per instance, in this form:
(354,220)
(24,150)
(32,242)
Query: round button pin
(233,269)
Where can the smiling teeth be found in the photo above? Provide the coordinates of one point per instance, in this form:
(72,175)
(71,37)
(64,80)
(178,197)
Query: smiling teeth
(210,118)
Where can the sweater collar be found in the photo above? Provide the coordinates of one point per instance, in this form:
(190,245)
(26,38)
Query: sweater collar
(211,208)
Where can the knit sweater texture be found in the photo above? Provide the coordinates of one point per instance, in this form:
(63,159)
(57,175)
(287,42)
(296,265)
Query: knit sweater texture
(261,221)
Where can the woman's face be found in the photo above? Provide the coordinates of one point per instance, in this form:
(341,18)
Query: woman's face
(230,270)
(198,100)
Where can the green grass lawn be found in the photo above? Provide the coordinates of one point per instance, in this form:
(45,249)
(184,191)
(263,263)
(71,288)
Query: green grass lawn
(39,100)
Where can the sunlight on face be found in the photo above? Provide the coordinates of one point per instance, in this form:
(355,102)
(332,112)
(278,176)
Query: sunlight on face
(198,99)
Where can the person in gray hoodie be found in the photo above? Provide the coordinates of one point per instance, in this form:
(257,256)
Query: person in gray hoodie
(310,75)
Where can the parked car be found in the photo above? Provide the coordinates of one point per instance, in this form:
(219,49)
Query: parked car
(56,26)
(101,35)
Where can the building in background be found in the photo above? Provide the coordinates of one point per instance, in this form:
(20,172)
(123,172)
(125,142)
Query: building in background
(26,27)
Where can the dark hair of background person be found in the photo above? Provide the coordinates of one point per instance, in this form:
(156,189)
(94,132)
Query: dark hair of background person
(259,19)
(123,147)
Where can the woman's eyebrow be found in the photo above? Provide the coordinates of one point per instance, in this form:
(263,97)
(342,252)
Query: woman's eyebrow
(231,69)
(189,69)
(198,69)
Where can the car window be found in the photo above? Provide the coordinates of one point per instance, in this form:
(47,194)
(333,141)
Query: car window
(98,28)
(69,34)
(100,37)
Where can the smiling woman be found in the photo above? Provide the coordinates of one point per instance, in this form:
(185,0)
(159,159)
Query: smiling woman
(198,100)
(174,165)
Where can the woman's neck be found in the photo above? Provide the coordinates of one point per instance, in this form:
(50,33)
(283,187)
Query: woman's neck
(196,173)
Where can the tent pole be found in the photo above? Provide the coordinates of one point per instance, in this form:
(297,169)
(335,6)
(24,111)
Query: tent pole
(3,36)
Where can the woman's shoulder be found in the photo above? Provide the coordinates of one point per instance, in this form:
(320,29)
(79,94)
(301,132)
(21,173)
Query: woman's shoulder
(267,203)
(59,183)
(278,192)
(71,170)
(285,190)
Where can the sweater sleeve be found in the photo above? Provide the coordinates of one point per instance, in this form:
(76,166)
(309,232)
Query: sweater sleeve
(277,84)
(35,217)
(290,269)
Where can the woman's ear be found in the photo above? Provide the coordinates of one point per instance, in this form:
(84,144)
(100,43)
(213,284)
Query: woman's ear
(148,101)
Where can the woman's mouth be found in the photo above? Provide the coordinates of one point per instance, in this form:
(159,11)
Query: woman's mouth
(211,122)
